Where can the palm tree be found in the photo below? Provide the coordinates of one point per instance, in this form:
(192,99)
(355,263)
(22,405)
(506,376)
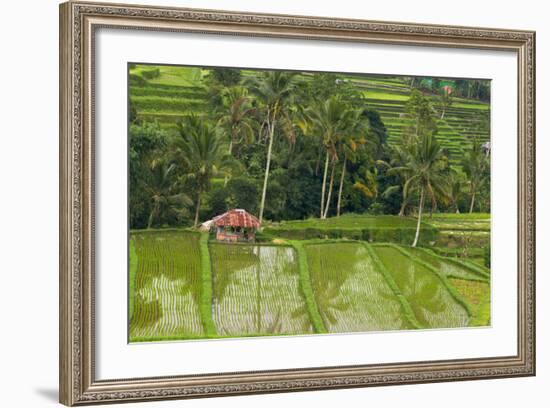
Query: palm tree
(203,153)
(423,172)
(161,189)
(237,118)
(350,144)
(420,112)
(475,164)
(330,119)
(455,190)
(399,157)
(274,91)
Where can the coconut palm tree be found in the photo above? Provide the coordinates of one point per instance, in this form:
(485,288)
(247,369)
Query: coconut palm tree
(455,189)
(274,91)
(237,118)
(476,165)
(203,153)
(419,111)
(330,118)
(161,188)
(423,173)
(354,139)
(399,157)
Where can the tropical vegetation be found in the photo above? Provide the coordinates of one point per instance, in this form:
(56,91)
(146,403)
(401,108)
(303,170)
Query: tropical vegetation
(373,194)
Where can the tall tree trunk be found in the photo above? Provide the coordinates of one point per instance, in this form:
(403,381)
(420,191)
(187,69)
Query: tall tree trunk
(419,218)
(323,187)
(341,188)
(403,206)
(230,150)
(327,204)
(152,216)
(318,162)
(472,202)
(197,210)
(268,164)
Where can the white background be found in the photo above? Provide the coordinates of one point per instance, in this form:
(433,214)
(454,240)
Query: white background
(28,170)
(117,359)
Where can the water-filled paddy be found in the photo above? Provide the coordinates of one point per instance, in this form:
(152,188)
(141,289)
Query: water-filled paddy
(449,268)
(432,304)
(167,286)
(257,291)
(352,295)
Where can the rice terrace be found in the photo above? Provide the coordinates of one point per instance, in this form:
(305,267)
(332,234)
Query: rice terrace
(269,203)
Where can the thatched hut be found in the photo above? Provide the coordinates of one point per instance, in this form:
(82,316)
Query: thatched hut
(235,226)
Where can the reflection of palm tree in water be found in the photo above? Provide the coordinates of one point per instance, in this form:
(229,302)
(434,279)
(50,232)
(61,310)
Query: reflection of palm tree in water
(328,289)
(423,293)
(331,301)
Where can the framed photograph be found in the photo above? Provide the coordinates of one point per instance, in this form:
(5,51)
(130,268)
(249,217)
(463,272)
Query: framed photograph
(256,203)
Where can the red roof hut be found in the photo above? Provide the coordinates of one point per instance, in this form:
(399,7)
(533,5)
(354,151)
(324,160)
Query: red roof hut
(236,226)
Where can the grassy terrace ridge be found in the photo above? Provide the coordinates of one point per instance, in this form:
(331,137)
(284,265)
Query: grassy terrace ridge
(348,221)
(433,304)
(372,228)
(352,293)
(305,281)
(206,288)
(164,93)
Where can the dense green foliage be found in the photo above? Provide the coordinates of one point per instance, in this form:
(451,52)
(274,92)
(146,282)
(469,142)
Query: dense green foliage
(339,168)
(290,146)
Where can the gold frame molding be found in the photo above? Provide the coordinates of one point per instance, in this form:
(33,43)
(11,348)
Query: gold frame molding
(78,22)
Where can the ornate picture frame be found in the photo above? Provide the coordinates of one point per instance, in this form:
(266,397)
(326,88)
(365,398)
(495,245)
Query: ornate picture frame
(78,24)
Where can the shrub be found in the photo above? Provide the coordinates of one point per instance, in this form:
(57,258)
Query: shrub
(403,235)
(150,73)
(136,79)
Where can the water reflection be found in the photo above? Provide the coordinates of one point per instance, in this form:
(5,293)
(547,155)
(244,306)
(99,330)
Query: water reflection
(431,302)
(256,291)
(351,294)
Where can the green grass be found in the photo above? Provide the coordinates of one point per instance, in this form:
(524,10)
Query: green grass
(305,281)
(351,293)
(478,295)
(175,75)
(450,267)
(351,221)
(206,288)
(383,228)
(167,286)
(385,96)
(257,291)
